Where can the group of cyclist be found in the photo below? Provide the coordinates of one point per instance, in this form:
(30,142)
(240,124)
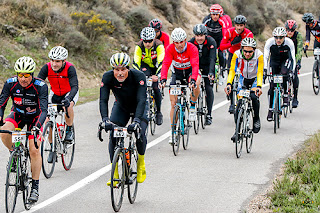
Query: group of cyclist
(153,57)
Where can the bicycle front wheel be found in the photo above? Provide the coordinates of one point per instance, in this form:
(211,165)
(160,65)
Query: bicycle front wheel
(132,176)
(117,181)
(187,127)
(47,150)
(68,152)
(276,113)
(315,78)
(26,181)
(152,119)
(12,182)
(176,130)
(196,122)
(239,133)
(249,130)
(203,109)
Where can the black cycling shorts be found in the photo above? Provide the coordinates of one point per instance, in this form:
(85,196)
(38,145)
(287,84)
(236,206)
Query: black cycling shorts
(20,121)
(183,75)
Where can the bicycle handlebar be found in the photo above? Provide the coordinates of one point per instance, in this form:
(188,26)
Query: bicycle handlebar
(32,132)
(102,126)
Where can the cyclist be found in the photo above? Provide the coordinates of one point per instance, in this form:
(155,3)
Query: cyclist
(162,36)
(250,62)
(148,57)
(312,26)
(130,89)
(64,84)
(207,47)
(217,23)
(296,37)
(281,52)
(232,41)
(29,107)
(184,57)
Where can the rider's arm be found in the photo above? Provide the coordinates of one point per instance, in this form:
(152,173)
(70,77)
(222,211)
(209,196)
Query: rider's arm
(307,35)
(73,81)
(137,58)
(165,40)
(4,97)
(104,95)
(223,24)
(266,53)
(160,56)
(233,68)
(141,95)
(194,60)
(43,103)
(212,55)
(167,61)
(260,71)
(43,74)
(299,47)
(225,42)
(292,55)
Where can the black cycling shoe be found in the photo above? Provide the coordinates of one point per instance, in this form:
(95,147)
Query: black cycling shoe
(256,125)
(285,100)
(69,136)
(159,118)
(295,103)
(208,120)
(270,115)
(231,109)
(233,138)
(34,196)
(51,157)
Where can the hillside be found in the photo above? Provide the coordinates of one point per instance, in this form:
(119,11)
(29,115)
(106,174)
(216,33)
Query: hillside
(93,30)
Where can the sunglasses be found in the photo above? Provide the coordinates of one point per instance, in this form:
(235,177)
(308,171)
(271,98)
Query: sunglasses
(27,75)
(279,37)
(290,30)
(248,51)
(147,41)
(156,30)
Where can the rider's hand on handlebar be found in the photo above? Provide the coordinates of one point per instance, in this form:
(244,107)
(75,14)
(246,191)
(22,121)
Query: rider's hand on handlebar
(66,102)
(154,78)
(258,91)
(108,125)
(211,77)
(227,89)
(163,82)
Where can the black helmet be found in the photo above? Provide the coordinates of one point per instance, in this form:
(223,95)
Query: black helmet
(240,19)
(308,18)
(200,29)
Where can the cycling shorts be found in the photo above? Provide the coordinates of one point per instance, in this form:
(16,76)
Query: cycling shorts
(247,83)
(53,98)
(183,75)
(19,121)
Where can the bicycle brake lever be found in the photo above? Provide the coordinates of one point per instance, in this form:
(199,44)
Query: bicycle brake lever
(99,134)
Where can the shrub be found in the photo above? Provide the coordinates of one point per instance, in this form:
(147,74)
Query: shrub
(34,41)
(76,41)
(138,18)
(169,8)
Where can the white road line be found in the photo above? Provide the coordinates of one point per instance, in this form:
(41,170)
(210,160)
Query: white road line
(107,168)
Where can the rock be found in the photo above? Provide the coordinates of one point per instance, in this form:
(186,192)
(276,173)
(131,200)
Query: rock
(44,43)
(124,48)
(4,62)
(11,30)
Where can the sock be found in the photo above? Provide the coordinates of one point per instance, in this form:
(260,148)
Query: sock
(193,103)
(35,184)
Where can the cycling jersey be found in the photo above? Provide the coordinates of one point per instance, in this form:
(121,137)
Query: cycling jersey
(279,54)
(61,82)
(131,95)
(164,38)
(153,57)
(298,44)
(28,102)
(207,54)
(249,69)
(216,29)
(227,20)
(188,59)
(230,34)
(315,31)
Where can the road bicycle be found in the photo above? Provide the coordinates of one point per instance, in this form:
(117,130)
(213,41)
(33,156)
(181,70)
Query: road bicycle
(125,160)
(290,98)
(53,142)
(152,106)
(19,177)
(181,124)
(315,69)
(244,124)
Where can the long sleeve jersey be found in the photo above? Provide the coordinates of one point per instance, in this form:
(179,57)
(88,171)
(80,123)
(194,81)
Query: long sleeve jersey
(230,34)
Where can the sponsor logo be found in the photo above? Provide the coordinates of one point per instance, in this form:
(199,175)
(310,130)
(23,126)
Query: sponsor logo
(17,100)
(141,82)
(17,91)
(102,84)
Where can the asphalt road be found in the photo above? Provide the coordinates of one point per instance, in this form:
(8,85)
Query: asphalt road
(205,178)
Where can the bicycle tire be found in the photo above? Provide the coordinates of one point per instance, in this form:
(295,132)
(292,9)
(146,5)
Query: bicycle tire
(239,133)
(216,79)
(68,152)
(196,123)
(275,113)
(117,184)
(285,110)
(176,130)
(152,119)
(47,168)
(12,182)
(187,127)
(315,78)
(132,175)
(26,181)
(249,137)
(203,107)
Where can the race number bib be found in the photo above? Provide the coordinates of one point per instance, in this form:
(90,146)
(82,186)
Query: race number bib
(52,108)
(316,51)
(278,79)
(149,82)
(174,90)
(18,137)
(120,133)
(244,93)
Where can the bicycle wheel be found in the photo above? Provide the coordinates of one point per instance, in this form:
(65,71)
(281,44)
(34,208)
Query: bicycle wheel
(285,110)
(196,123)
(176,130)
(68,152)
(239,133)
(132,176)
(46,149)
(216,79)
(26,180)
(117,183)
(12,182)
(249,131)
(152,119)
(187,126)
(203,108)
(315,78)
(275,113)
(290,97)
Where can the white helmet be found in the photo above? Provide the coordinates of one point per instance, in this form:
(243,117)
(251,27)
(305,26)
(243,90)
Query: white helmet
(25,64)
(178,35)
(279,31)
(249,42)
(148,33)
(120,59)
(58,53)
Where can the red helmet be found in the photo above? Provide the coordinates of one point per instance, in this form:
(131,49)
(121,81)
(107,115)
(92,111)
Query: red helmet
(291,25)
(156,24)
(216,9)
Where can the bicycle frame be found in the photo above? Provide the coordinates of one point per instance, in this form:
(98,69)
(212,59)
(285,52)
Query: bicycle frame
(182,104)
(277,89)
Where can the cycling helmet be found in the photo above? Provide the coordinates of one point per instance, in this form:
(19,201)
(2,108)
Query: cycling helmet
(279,31)
(308,18)
(200,29)
(291,25)
(178,35)
(216,9)
(249,42)
(25,64)
(156,24)
(58,53)
(147,33)
(240,19)
(120,59)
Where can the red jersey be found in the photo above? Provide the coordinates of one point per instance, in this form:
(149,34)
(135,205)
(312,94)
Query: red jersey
(59,81)
(164,37)
(230,35)
(181,61)
(227,20)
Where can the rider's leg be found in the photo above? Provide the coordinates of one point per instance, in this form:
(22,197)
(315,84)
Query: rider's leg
(209,94)
(157,95)
(196,91)
(6,138)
